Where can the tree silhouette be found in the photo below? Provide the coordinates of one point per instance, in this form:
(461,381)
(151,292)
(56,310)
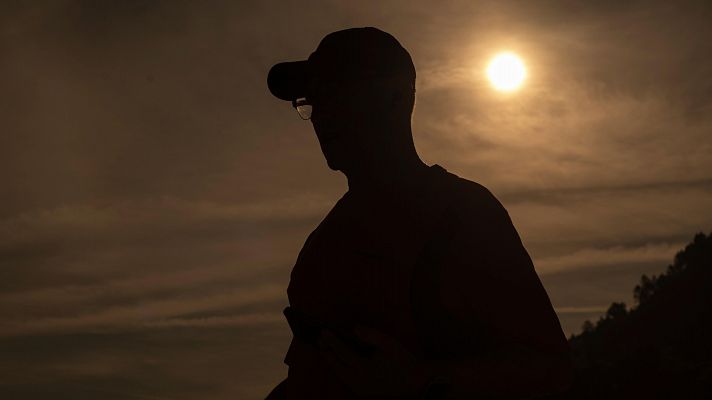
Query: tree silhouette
(662,347)
(644,289)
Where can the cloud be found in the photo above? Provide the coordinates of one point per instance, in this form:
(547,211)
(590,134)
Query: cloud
(657,253)
(134,272)
(153,313)
(209,322)
(165,213)
(581,310)
(48,247)
(554,223)
(155,194)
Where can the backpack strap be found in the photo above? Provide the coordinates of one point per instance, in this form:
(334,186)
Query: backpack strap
(425,302)
(424,292)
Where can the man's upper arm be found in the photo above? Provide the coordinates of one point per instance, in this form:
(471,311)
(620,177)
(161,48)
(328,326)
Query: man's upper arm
(489,281)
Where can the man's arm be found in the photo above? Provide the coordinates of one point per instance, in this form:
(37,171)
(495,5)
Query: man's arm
(489,286)
(505,373)
(489,283)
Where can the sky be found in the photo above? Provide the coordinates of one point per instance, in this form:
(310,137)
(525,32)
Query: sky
(156,195)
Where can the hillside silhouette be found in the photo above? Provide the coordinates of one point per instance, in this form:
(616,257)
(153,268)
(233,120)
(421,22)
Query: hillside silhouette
(659,349)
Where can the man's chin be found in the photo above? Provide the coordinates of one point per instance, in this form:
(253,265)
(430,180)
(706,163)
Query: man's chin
(333,165)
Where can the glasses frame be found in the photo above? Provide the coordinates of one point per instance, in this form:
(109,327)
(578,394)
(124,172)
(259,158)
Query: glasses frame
(303,107)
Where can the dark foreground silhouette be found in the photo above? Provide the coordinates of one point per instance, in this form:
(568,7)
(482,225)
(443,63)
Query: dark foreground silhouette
(416,284)
(660,349)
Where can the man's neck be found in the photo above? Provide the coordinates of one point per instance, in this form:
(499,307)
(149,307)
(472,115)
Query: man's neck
(387,174)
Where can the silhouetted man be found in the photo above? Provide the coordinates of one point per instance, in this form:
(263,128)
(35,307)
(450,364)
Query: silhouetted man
(416,284)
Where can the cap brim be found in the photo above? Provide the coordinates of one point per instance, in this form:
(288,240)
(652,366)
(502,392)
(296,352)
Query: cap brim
(288,80)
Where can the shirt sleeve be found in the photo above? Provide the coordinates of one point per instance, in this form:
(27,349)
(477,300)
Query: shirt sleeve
(488,282)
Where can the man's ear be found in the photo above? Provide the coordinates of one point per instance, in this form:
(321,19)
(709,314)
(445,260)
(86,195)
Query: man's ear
(398,97)
(403,99)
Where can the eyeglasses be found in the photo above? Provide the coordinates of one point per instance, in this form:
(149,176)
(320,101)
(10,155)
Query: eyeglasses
(304,107)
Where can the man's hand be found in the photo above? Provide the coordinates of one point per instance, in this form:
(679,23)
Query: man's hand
(389,371)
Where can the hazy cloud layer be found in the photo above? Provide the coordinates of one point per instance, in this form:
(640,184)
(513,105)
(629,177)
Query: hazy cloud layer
(156,196)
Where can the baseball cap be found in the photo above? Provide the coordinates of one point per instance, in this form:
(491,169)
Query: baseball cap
(348,55)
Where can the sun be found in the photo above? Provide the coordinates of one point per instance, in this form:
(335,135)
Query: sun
(506,71)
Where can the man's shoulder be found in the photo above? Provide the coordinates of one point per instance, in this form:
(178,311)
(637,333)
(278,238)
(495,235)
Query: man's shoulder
(481,222)
(468,196)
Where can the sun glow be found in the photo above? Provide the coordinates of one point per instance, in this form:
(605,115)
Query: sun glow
(506,71)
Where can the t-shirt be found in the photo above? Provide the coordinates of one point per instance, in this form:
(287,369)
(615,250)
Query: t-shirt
(358,268)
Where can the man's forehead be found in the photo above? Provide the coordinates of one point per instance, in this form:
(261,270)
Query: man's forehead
(345,86)
(332,87)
